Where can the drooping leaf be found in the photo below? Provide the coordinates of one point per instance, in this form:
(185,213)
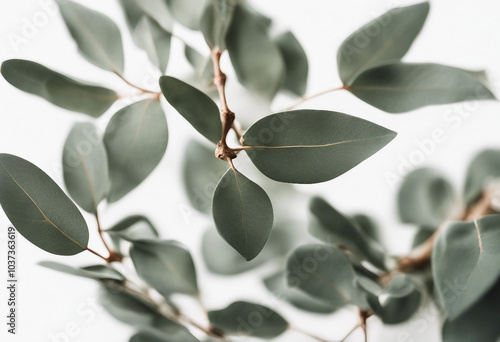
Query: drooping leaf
(258,320)
(326,273)
(312,146)
(243,214)
(97,272)
(165,265)
(215,22)
(483,169)
(425,198)
(132,228)
(332,227)
(97,36)
(39,209)
(57,88)
(85,166)
(296,64)
(157,10)
(255,57)
(153,39)
(465,263)
(202,64)
(400,87)
(152,336)
(384,39)
(367,225)
(187,12)
(195,106)
(136,139)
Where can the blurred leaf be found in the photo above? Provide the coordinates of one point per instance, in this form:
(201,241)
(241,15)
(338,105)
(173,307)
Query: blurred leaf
(312,146)
(367,225)
(243,214)
(136,139)
(399,87)
(97,36)
(57,88)
(255,57)
(187,12)
(326,273)
(425,198)
(39,209)
(195,106)
(384,39)
(422,235)
(201,64)
(241,317)
(132,228)
(153,39)
(465,263)
(216,20)
(483,169)
(165,265)
(156,337)
(85,166)
(332,227)
(157,10)
(97,272)
(296,64)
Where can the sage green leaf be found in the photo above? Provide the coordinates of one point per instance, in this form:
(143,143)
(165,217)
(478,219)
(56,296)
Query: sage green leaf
(367,225)
(85,166)
(39,209)
(97,36)
(425,198)
(136,139)
(312,146)
(256,59)
(465,263)
(296,64)
(153,39)
(196,107)
(97,272)
(157,337)
(422,235)
(386,38)
(332,227)
(157,10)
(326,273)
(400,87)
(57,88)
(479,323)
(277,284)
(202,64)
(241,317)
(483,169)
(187,12)
(132,228)
(215,22)
(243,214)
(165,265)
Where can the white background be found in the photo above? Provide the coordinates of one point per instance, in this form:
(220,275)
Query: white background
(461,33)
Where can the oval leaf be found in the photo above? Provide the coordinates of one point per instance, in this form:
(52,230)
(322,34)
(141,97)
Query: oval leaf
(39,209)
(483,169)
(157,10)
(215,22)
(312,146)
(187,12)
(132,228)
(97,272)
(296,64)
(202,64)
(243,214)
(153,39)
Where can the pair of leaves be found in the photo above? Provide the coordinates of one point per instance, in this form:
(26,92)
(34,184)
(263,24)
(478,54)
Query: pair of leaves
(96,272)
(483,169)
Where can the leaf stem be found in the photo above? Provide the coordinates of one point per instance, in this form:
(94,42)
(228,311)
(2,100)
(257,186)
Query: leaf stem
(310,97)
(350,332)
(95,253)
(305,333)
(113,256)
(134,85)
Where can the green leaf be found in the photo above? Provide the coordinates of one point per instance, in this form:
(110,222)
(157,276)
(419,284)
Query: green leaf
(465,263)
(483,169)
(422,235)
(187,12)
(256,59)
(39,209)
(85,166)
(97,272)
(132,228)
(153,39)
(296,64)
(202,64)
(312,146)
(326,273)
(196,107)
(156,337)
(97,36)
(384,39)
(367,225)
(399,87)
(215,22)
(243,214)
(165,265)
(136,139)
(57,88)
(332,227)
(244,318)
(425,198)
(157,10)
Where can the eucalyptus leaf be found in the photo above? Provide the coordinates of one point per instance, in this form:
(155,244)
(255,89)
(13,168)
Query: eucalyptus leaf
(187,12)
(400,87)
(312,146)
(422,235)
(244,318)
(97,272)
(196,107)
(243,214)
(216,20)
(482,170)
(165,265)
(296,64)
(136,139)
(465,263)
(157,10)
(384,39)
(202,64)
(85,166)
(132,228)
(97,36)
(57,88)
(39,209)
(156,337)
(367,225)
(153,39)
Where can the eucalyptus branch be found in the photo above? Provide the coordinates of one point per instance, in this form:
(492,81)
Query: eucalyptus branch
(143,90)
(310,97)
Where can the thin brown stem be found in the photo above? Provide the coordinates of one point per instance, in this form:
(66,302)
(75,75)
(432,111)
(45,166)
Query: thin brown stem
(350,332)
(113,256)
(95,253)
(363,316)
(134,85)
(305,333)
(310,97)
